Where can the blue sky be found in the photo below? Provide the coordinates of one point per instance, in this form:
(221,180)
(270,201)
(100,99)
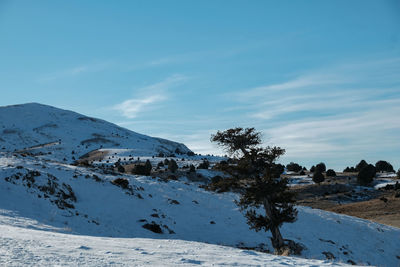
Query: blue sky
(318,78)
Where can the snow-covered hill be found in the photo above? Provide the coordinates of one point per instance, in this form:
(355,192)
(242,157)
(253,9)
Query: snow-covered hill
(47,196)
(60,134)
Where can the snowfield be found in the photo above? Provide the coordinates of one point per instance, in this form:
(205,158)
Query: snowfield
(24,247)
(53,213)
(182,210)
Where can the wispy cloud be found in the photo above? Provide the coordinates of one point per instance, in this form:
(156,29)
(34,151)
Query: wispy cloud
(148,96)
(349,110)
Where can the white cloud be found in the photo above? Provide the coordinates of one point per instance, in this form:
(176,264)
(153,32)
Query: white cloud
(147,97)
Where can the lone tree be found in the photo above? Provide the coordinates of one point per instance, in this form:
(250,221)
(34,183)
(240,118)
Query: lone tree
(261,186)
(361,165)
(318,177)
(366,175)
(172,165)
(320,167)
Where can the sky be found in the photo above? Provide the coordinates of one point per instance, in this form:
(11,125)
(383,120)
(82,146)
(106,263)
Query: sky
(318,78)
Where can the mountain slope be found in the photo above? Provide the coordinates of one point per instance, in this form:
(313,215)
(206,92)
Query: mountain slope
(37,194)
(42,129)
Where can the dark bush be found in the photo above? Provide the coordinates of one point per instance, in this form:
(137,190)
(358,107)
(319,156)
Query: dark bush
(172,166)
(216,179)
(361,165)
(293,167)
(302,172)
(160,164)
(121,168)
(318,177)
(383,166)
(277,169)
(204,165)
(312,169)
(155,228)
(121,182)
(320,167)
(366,175)
(349,169)
(190,154)
(140,169)
(398,174)
(192,168)
(330,173)
(148,167)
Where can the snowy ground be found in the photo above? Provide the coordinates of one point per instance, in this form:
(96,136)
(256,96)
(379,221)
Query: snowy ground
(25,247)
(182,210)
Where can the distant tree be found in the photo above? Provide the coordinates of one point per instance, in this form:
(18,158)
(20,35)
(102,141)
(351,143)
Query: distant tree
(204,165)
(361,165)
(383,166)
(148,167)
(349,169)
(312,169)
(304,169)
(330,173)
(121,168)
(318,177)
(261,184)
(166,162)
(398,174)
(366,175)
(160,164)
(320,167)
(172,166)
(192,168)
(293,167)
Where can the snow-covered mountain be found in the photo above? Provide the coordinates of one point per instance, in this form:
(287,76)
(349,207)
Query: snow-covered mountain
(57,134)
(55,213)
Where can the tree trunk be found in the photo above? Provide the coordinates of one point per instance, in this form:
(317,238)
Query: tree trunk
(277,240)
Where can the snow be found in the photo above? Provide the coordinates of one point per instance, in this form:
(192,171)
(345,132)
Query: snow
(103,210)
(44,129)
(53,213)
(24,247)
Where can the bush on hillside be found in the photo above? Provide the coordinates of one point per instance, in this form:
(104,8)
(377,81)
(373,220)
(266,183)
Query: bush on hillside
(349,169)
(366,175)
(383,166)
(121,182)
(312,169)
(330,173)
(320,167)
(293,167)
(318,177)
(204,165)
(361,165)
(172,166)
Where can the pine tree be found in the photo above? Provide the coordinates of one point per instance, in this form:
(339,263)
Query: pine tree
(172,166)
(262,185)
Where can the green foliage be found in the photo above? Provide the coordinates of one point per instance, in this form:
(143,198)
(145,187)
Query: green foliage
(366,175)
(383,166)
(318,177)
(330,173)
(257,176)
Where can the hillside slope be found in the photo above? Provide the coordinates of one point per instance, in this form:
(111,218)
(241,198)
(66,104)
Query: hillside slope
(50,196)
(60,134)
